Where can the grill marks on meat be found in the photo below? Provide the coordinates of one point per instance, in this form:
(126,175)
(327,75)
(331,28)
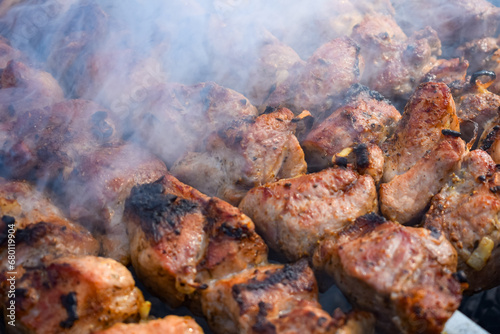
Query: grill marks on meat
(328,74)
(208,239)
(75,295)
(42,232)
(466,210)
(402,274)
(293,215)
(245,155)
(397,63)
(94,192)
(265,300)
(366,117)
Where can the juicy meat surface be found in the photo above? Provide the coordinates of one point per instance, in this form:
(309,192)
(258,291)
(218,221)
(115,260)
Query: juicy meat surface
(95,191)
(44,142)
(171,324)
(406,197)
(327,74)
(466,211)
(42,233)
(247,154)
(75,295)
(401,274)
(266,299)
(430,110)
(293,215)
(174,119)
(365,117)
(397,63)
(181,239)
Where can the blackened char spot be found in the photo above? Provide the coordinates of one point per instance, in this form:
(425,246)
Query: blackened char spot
(33,232)
(158,212)
(357,89)
(235,232)
(288,275)
(362,156)
(490,138)
(448,132)
(70,303)
(262,325)
(4,232)
(460,276)
(435,233)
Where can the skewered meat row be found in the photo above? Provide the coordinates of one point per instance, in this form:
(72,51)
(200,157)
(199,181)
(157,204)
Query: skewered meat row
(190,248)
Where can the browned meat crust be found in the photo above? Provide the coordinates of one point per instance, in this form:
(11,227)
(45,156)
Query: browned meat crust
(247,154)
(293,215)
(466,211)
(365,117)
(75,295)
(181,239)
(401,274)
(430,110)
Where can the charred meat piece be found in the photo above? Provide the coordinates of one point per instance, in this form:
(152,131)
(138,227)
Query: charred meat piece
(75,295)
(47,141)
(169,325)
(94,192)
(479,53)
(42,233)
(365,117)
(466,211)
(247,154)
(293,215)
(406,197)
(269,299)
(456,21)
(403,275)
(174,119)
(430,110)
(328,74)
(397,63)
(181,239)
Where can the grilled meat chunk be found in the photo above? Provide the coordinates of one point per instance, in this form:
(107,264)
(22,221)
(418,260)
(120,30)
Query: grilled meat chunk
(450,71)
(365,117)
(406,197)
(42,233)
(269,299)
(174,119)
(456,21)
(169,325)
(247,154)
(328,74)
(47,141)
(466,211)
(181,239)
(430,110)
(401,274)
(75,295)
(293,215)
(96,189)
(397,63)
(479,53)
